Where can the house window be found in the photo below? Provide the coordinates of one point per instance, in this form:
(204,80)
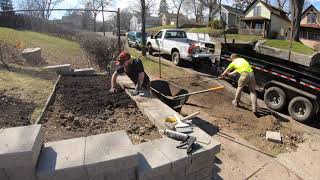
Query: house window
(257,11)
(258,26)
(224,16)
(312,18)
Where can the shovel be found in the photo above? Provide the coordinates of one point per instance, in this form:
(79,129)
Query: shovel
(197,92)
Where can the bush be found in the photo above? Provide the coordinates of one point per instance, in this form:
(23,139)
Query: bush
(216,24)
(100,50)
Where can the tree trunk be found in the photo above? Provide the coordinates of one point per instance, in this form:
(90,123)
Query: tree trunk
(210,15)
(143,28)
(94,22)
(296,8)
(177,19)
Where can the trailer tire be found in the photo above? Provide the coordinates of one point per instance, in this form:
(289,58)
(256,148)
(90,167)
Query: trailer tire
(301,109)
(275,98)
(150,50)
(176,58)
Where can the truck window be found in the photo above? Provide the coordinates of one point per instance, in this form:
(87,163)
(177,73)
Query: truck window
(175,34)
(159,35)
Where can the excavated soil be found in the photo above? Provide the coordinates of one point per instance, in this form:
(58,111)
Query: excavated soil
(14,112)
(84,106)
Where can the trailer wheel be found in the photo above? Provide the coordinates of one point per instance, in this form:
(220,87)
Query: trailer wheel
(275,98)
(301,109)
(176,58)
(150,50)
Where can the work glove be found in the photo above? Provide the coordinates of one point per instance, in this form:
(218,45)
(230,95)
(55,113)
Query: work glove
(113,90)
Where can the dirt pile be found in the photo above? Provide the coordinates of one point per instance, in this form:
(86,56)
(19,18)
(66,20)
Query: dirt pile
(14,112)
(84,106)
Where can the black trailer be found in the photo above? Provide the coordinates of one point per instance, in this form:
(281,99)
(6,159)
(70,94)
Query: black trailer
(285,84)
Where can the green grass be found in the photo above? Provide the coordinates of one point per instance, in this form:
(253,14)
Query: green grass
(297,47)
(27,88)
(244,38)
(200,30)
(53,48)
(158,28)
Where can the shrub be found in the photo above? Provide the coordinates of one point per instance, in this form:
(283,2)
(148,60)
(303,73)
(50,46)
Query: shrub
(100,50)
(216,24)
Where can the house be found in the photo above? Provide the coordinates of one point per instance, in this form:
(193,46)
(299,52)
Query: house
(136,22)
(231,16)
(263,19)
(310,27)
(73,20)
(171,19)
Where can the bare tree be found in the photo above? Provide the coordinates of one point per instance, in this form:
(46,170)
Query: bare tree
(148,6)
(296,9)
(46,7)
(213,8)
(95,5)
(242,4)
(178,4)
(196,8)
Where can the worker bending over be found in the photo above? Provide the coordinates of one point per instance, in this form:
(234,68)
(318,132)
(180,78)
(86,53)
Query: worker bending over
(241,66)
(134,70)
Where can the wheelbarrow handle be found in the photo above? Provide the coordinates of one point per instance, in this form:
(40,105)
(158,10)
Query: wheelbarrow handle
(198,92)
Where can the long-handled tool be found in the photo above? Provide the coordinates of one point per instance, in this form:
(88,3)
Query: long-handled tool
(197,92)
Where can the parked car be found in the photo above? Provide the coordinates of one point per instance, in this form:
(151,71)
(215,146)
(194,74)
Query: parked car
(122,32)
(135,38)
(175,42)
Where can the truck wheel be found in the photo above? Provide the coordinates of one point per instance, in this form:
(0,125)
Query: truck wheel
(150,50)
(275,98)
(301,109)
(176,58)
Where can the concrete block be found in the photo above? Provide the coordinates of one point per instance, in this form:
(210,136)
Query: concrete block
(3,175)
(274,137)
(62,160)
(60,68)
(204,173)
(79,72)
(151,161)
(178,157)
(20,146)
(109,152)
(126,174)
(25,173)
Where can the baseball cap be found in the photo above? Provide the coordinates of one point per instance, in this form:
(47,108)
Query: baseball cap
(123,57)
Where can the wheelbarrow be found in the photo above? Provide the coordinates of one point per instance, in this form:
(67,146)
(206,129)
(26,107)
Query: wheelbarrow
(173,95)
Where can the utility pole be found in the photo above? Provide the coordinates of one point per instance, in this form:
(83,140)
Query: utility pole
(104,30)
(118,30)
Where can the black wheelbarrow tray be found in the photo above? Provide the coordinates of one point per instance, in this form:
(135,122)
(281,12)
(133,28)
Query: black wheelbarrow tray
(173,95)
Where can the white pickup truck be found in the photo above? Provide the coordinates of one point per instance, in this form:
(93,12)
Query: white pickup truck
(176,43)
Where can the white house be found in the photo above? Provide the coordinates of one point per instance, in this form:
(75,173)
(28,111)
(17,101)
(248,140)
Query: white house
(136,23)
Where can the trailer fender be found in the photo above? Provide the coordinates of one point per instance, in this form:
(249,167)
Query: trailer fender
(296,90)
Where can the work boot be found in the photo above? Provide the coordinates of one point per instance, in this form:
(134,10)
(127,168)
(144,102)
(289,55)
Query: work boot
(235,103)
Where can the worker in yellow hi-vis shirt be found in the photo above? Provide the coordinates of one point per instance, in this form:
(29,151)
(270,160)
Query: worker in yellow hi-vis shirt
(241,66)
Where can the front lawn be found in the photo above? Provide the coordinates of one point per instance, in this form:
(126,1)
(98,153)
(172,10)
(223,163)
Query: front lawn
(297,47)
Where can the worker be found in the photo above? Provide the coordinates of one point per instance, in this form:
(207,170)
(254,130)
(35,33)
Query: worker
(241,66)
(134,70)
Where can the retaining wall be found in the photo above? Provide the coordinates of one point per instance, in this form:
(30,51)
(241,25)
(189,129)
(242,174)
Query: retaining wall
(25,156)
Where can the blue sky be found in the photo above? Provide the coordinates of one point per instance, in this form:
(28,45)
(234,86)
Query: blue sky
(122,4)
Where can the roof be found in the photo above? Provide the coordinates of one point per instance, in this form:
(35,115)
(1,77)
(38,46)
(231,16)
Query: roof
(232,10)
(255,18)
(311,6)
(316,26)
(274,10)
(172,15)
